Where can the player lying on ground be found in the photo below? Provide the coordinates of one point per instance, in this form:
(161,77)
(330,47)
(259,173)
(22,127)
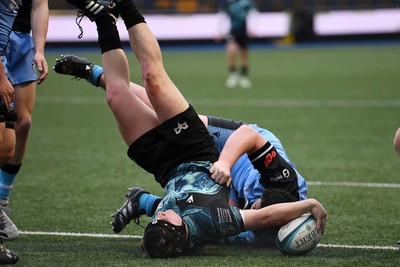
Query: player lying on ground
(248,186)
(171,142)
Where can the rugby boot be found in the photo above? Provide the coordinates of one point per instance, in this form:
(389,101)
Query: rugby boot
(129,210)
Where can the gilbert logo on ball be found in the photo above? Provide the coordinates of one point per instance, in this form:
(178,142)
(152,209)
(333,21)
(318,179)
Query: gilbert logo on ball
(298,236)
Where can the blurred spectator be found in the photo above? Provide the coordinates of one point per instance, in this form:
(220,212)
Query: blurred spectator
(237,38)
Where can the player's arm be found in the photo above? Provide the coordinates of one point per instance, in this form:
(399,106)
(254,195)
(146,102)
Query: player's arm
(244,140)
(282,213)
(40,22)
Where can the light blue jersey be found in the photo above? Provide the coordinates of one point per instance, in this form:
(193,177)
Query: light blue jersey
(8,12)
(245,178)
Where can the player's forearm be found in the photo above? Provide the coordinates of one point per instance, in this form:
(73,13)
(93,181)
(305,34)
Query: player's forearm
(3,76)
(2,71)
(39,22)
(278,214)
(241,141)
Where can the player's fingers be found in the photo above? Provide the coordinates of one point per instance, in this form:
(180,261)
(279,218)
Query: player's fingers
(319,225)
(212,169)
(219,178)
(6,101)
(215,175)
(228,182)
(323,223)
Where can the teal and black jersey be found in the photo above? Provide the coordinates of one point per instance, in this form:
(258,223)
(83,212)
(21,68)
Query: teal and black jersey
(202,204)
(237,10)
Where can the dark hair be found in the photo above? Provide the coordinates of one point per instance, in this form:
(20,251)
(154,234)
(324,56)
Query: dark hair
(274,196)
(162,239)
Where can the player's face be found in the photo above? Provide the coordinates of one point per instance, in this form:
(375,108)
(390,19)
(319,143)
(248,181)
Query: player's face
(170,216)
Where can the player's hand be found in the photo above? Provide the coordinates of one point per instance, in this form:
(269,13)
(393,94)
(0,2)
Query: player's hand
(319,213)
(221,173)
(41,66)
(6,93)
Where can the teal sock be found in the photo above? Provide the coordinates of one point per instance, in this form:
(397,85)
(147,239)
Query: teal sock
(8,172)
(146,203)
(95,77)
(6,183)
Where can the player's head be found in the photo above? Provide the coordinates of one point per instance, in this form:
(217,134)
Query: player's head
(273,196)
(164,239)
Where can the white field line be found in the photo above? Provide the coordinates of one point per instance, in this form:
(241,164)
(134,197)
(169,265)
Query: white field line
(354,184)
(79,234)
(138,237)
(330,103)
(378,185)
(358,247)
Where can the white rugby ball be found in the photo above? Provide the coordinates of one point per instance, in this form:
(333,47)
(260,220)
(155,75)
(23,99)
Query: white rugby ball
(298,236)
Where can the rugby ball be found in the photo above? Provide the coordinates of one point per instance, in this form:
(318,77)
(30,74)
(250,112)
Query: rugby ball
(298,236)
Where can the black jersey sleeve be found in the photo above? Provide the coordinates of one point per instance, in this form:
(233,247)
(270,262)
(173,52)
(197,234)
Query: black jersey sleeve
(224,123)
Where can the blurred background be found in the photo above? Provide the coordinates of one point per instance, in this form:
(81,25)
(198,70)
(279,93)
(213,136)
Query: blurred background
(195,6)
(284,21)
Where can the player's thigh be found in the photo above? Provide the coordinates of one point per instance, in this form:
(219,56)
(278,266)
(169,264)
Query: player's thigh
(24,99)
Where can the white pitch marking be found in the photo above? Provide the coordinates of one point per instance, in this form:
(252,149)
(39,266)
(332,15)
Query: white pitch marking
(79,234)
(358,247)
(139,237)
(354,184)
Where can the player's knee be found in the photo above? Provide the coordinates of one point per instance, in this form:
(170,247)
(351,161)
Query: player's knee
(114,92)
(23,124)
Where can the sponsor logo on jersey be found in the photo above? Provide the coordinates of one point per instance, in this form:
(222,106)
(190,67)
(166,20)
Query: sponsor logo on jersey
(269,158)
(282,176)
(181,126)
(217,134)
(190,200)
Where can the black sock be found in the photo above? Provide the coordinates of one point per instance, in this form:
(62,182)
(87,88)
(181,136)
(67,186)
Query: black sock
(10,125)
(130,14)
(108,34)
(12,169)
(154,208)
(244,71)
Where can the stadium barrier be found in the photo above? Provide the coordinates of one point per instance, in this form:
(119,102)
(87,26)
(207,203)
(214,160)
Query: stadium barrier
(189,27)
